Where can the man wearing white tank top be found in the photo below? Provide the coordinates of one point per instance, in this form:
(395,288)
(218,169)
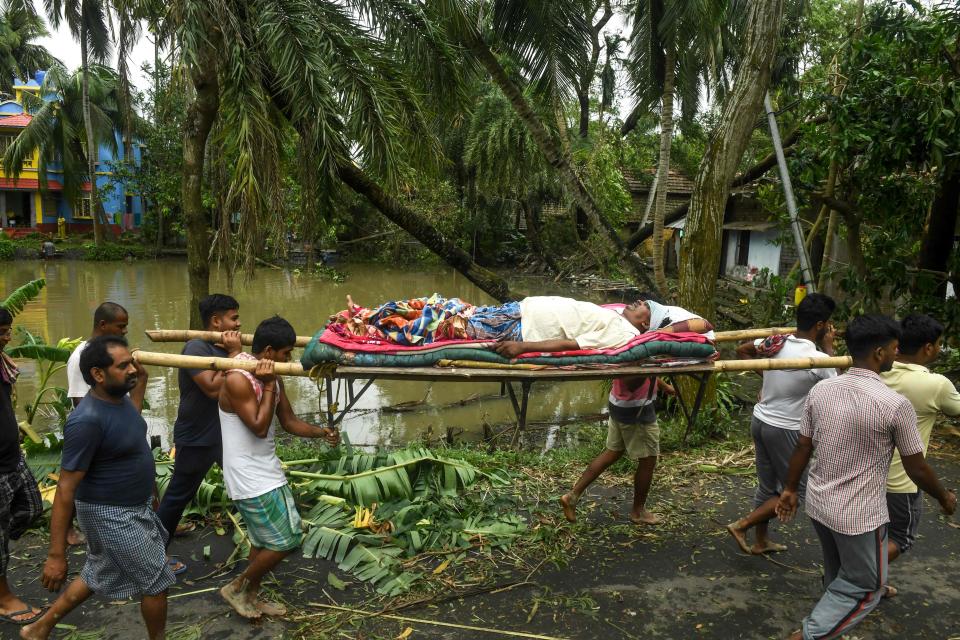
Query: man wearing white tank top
(251,469)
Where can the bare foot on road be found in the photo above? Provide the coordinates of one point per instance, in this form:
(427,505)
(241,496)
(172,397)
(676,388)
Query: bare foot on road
(31,632)
(268,608)
(569,507)
(889,591)
(740,535)
(645,517)
(240,600)
(770,547)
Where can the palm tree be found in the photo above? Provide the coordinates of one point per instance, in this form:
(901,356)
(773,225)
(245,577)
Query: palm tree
(87,21)
(57,128)
(673,43)
(261,70)
(19,56)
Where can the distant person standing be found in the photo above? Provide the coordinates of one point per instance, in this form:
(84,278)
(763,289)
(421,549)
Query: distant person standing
(775,425)
(855,422)
(931,395)
(196,433)
(109,319)
(20,502)
(108,474)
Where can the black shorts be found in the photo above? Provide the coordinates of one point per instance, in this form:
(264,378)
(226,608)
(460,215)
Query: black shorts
(904,509)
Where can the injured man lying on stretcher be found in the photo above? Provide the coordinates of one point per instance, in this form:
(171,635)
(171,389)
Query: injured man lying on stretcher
(536,323)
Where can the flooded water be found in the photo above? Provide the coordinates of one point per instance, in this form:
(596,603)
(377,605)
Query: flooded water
(155,294)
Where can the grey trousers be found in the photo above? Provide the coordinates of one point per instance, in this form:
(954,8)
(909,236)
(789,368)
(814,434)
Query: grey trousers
(855,572)
(774,448)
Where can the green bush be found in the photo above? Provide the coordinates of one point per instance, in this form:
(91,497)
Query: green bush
(111,251)
(7,249)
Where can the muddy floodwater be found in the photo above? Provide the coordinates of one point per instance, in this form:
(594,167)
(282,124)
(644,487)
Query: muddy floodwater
(155,294)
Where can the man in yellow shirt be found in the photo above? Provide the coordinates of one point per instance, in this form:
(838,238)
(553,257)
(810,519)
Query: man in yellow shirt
(931,394)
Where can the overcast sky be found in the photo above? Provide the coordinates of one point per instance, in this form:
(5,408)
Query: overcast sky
(62,45)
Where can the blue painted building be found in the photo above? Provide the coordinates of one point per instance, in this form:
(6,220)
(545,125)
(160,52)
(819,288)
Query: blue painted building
(24,207)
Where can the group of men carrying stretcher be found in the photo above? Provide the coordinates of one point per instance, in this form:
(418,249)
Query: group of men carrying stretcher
(862,490)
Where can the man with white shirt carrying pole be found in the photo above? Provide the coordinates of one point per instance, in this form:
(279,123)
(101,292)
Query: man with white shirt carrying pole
(855,422)
(775,425)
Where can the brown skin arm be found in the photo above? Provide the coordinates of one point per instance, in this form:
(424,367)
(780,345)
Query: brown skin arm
(926,478)
(787,507)
(139,391)
(210,382)
(513,348)
(237,396)
(55,568)
(295,426)
(746,350)
(693,325)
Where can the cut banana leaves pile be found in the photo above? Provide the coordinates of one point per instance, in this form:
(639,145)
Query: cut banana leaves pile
(369,513)
(373,512)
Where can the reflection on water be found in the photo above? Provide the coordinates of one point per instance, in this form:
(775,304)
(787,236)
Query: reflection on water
(156,296)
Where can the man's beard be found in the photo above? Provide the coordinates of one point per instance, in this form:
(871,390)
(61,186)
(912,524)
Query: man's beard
(120,390)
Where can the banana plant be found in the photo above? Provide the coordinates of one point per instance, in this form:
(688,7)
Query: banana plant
(51,359)
(16,301)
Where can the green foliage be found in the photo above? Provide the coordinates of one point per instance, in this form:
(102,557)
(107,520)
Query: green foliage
(418,493)
(18,299)
(112,251)
(50,360)
(8,250)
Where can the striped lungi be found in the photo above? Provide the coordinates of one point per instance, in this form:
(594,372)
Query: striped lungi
(20,505)
(125,550)
(272,520)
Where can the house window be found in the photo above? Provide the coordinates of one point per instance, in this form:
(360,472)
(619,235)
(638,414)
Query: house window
(743,249)
(82,209)
(129,204)
(5,142)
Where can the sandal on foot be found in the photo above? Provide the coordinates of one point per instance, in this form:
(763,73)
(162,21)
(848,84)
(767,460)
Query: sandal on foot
(12,617)
(176,565)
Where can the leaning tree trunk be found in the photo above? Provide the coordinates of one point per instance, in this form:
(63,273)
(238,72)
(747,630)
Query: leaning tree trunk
(556,158)
(700,254)
(663,169)
(93,151)
(936,246)
(201,112)
(414,224)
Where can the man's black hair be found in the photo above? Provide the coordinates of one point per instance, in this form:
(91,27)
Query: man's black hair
(216,303)
(917,330)
(96,353)
(815,308)
(649,295)
(108,312)
(274,332)
(5,316)
(868,332)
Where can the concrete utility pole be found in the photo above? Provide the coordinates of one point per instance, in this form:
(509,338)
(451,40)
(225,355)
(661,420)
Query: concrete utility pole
(806,271)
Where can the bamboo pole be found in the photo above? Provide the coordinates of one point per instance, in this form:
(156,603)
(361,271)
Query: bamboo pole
(751,334)
(294,369)
(217,364)
(771,364)
(182,335)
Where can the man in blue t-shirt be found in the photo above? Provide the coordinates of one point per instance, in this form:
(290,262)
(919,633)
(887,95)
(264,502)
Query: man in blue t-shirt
(108,477)
(196,433)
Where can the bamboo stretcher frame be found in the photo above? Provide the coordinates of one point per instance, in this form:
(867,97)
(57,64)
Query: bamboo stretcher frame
(700,371)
